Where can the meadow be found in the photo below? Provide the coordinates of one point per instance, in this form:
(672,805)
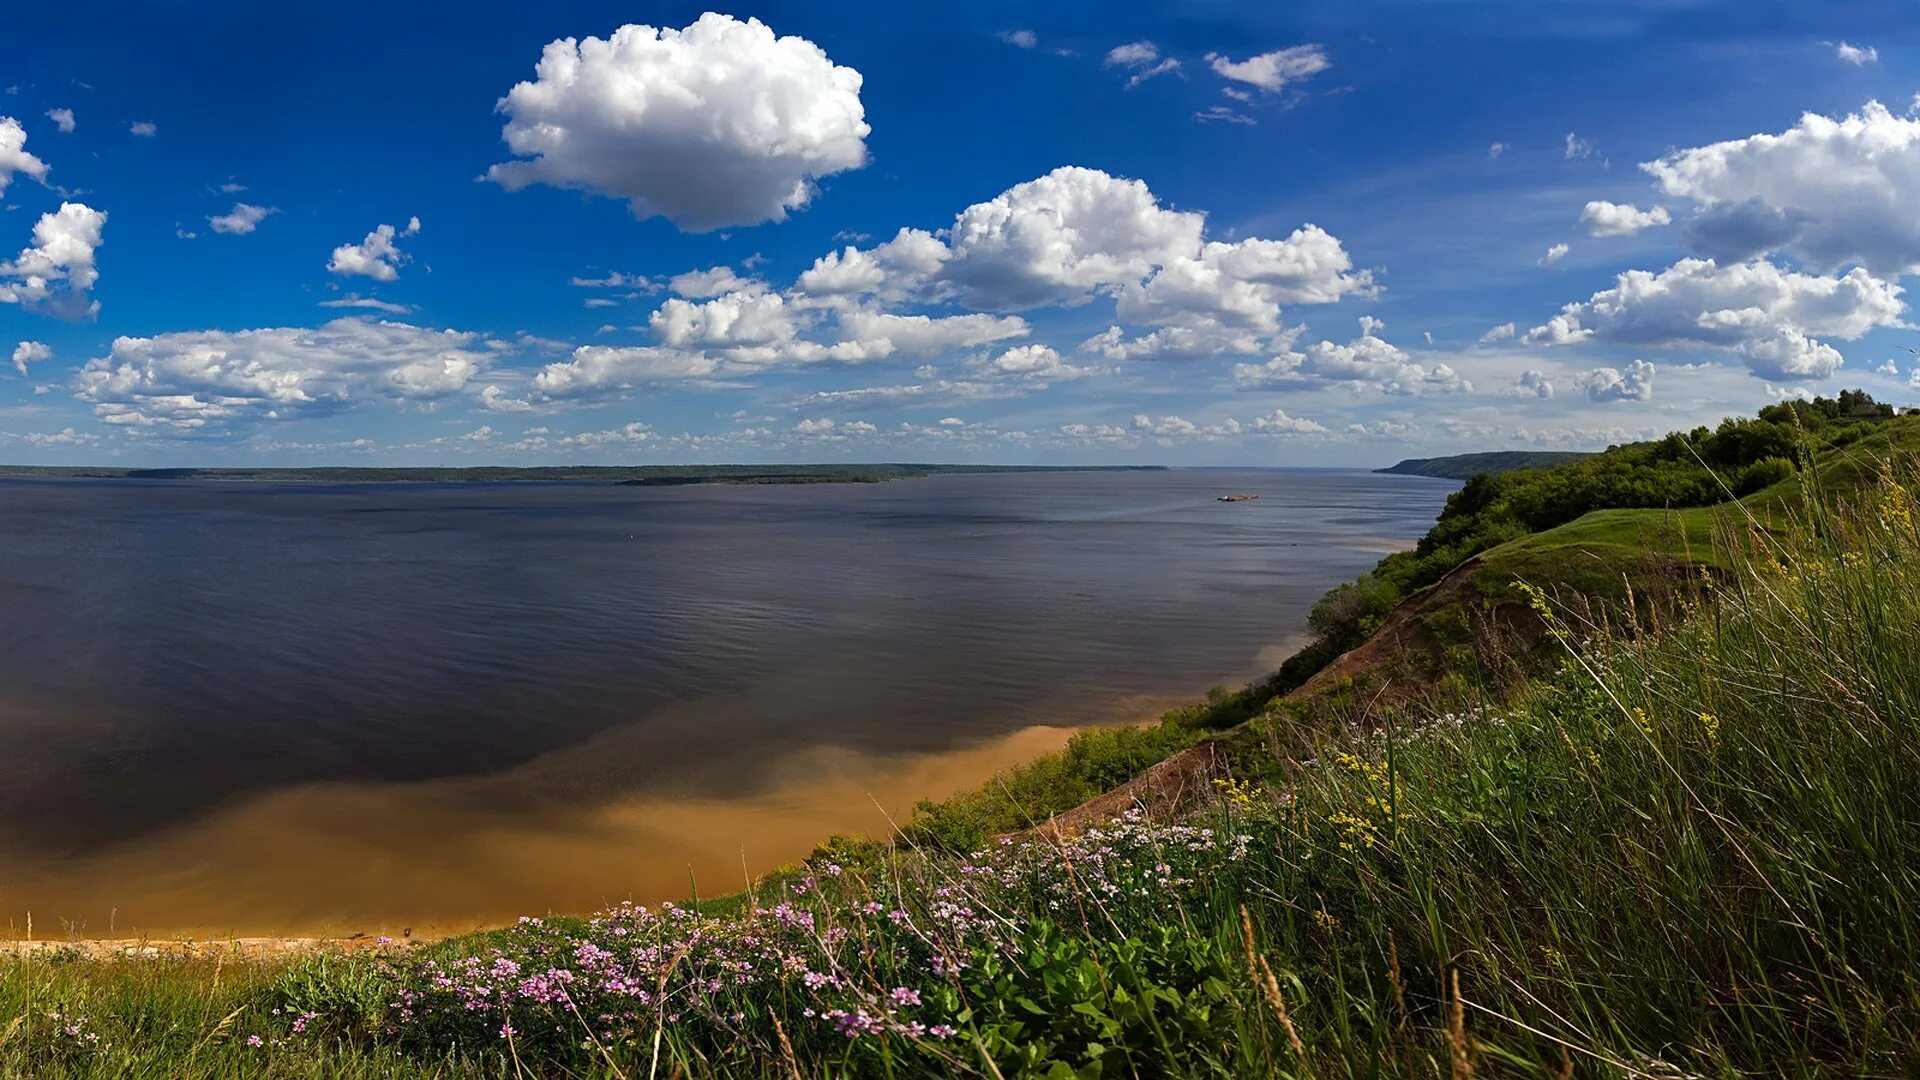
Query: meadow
(1685,846)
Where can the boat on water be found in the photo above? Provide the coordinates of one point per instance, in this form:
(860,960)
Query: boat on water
(1237,498)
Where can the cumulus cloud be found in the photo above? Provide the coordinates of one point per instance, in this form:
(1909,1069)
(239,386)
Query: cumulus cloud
(1857,55)
(1143,59)
(1612,384)
(1244,283)
(13,154)
(1554,254)
(711,282)
(377,257)
(1271,71)
(718,124)
(57,271)
(205,380)
(1577,148)
(1499,333)
(62,119)
(1532,383)
(1368,361)
(30,352)
(1602,218)
(889,271)
(1766,315)
(1494,151)
(1020,39)
(1834,193)
(1055,238)
(244,218)
(145,129)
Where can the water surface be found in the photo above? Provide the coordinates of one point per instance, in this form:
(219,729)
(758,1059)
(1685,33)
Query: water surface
(204,685)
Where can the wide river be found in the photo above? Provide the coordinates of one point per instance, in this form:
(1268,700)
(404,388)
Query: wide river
(251,707)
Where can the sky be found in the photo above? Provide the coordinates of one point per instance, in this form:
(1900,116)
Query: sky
(1201,233)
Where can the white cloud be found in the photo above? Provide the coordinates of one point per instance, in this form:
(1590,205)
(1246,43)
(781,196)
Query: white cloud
(143,128)
(30,352)
(377,257)
(926,333)
(1857,55)
(1182,343)
(13,154)
(891,270)
(62,119)
(711,282)
(718,124)
(1835,193)
(209,379)
(1143,59)
(1366,361)
(1023,39)
(1602,218)
(815,427)
(1499,333)
(1578,148)
(1764,314)
(1222,114)
(1496,150)
(1272,70)
(1554,254)
(62,254)
(1611,384)
(355,300)
(1531,383)
(598,370)
(1244,283)
(1031,363)
(1056,238)
(242,219)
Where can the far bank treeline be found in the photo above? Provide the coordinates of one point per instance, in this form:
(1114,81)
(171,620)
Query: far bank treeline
(1698,468)
(631,475)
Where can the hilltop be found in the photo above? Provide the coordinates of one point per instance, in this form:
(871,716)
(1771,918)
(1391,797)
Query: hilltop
(1466,466)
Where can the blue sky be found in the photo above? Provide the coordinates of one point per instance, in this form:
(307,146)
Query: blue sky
(1204,233)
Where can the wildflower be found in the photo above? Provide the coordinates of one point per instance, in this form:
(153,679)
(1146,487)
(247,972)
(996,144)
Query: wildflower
(1710,724)
(1326,920)
(255,1040)
(903,996)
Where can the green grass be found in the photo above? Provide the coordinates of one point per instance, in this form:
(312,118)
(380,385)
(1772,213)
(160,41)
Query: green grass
(1686,850)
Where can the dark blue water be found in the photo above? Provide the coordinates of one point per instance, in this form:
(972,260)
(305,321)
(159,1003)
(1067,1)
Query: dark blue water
(172,648)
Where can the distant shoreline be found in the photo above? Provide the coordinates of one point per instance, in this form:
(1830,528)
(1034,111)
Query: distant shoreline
(630,475)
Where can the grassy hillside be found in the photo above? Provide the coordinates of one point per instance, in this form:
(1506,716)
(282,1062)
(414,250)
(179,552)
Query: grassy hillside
(1683,850)
(1467,466)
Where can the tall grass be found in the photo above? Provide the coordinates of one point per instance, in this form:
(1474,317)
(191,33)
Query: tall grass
(1694,850)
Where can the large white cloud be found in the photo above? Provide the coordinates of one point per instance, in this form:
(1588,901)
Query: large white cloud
(13,154)
(1053,239)
(1612,384)
(1601,218)
(1077,233)
(1768,316)
(1367,361)
(377,257)
(715,125)
(1245,282)
(57,271)
(206,379)
(1835,193)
